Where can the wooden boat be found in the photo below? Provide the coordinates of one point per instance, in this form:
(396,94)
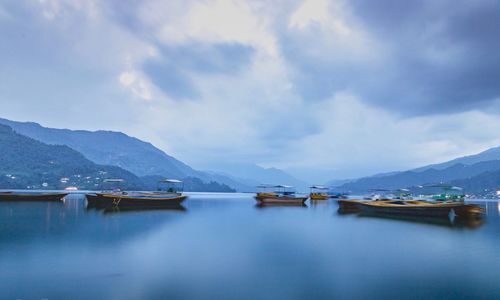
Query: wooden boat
(173,196)
(319,192)
(31,196)
(421,208)
(283,195)
(282,199)
(134,199)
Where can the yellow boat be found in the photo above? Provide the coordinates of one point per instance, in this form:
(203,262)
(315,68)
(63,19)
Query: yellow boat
(319,192)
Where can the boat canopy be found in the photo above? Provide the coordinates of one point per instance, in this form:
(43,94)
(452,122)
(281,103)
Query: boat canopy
(114,180)
(379,190)
(443,186)
(319,187)
(171,181)
(265,185)
(283,186)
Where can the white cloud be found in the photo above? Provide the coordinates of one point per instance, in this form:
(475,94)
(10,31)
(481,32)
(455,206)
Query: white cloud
(254,114)
(356,137)
(136,83)
(217,21)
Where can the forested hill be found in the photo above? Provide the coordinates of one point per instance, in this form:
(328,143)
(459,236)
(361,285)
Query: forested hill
(27,163)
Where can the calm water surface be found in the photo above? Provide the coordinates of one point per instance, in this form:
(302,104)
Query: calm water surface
(224,247)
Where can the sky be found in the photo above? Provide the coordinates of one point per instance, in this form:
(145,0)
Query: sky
(322,89)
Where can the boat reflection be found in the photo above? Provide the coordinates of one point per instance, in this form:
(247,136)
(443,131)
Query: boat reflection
(319,203)
(266,205)
(453,222)
(142,208)
(347,210)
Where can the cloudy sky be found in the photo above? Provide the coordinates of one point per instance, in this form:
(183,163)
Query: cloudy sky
(323,89)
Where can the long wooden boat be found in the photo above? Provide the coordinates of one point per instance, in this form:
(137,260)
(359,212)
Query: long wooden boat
(35,196)
(421,208)
(280,199)
(134,199)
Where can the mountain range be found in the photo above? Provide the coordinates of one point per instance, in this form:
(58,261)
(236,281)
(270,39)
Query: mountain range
(27,163)
(145,160)
(475,173)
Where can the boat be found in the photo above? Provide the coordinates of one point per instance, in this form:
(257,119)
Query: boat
(319,192)
(31,196)
(173,196)
(134,199)
(421,208)
(283,194)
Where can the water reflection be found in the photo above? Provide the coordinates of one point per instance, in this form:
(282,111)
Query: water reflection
(70,221)
(225,247)
(319,203)
(144,208)
(452,222)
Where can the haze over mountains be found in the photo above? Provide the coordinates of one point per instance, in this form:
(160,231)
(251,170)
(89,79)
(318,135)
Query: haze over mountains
(144,164)
(145,160)
(476,173)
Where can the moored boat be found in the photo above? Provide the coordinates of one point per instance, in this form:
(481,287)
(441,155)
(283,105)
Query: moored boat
(136,199)
(283,194)
(421,208)
(31,196)
(172,196)
(319,192)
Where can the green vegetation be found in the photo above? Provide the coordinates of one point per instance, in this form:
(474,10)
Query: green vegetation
(29,164)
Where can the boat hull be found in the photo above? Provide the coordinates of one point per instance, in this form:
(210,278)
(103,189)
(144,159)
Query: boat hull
(422,209)
(349,206)
(281,200)
(42,197)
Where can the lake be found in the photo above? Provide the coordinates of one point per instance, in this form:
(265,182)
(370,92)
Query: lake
(221,246)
